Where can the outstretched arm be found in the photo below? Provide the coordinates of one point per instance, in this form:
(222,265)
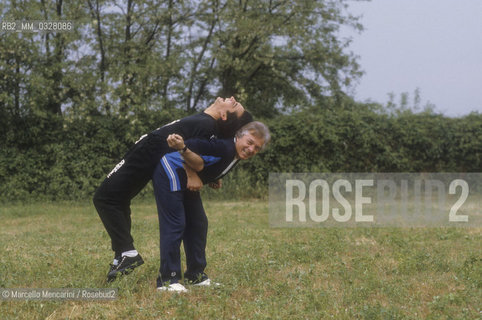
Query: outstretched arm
(192,159)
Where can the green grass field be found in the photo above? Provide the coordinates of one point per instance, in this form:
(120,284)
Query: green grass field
(266,273)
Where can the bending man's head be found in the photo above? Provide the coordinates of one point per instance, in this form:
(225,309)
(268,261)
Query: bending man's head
(230,116)
(251,139)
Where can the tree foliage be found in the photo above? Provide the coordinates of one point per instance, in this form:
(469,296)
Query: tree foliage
(362,139)
(71,103)
(126,56)
(71,163)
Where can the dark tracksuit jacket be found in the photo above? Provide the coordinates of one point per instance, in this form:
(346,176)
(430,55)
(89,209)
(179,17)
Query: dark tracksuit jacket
(113,197)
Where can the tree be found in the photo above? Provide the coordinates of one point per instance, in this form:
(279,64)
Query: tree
(267,53)
(282,53)
(125,57)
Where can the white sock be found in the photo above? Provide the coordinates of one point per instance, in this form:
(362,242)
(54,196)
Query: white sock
(115,262)
(130,253)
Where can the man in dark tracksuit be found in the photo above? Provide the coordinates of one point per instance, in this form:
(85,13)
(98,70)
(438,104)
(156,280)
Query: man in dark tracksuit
(112,199)
(181,213)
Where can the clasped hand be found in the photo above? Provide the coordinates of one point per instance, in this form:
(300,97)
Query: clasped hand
(175,141)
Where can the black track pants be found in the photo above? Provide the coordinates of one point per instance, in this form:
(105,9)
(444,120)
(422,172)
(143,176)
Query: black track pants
(113,198)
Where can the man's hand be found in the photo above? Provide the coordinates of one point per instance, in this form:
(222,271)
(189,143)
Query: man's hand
(216,185)
(194,183)
(175,141)
(192,159)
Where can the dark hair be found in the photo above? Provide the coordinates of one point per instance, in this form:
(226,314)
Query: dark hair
(227,128)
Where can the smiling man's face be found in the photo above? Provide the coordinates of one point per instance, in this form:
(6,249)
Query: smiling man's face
(248,145)
(235,116)
(230,105)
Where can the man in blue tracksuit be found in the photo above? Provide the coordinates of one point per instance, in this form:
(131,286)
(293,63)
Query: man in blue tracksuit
(181,213)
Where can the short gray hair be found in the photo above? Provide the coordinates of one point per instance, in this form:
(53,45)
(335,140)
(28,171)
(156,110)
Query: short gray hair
(257,129)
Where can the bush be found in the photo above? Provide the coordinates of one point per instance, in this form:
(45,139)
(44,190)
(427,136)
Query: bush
(70,159)
(363,140)
(54,158)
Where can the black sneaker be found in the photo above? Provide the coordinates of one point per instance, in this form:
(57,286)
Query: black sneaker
(193,280)
(125,266)
(202,280)
(113,266)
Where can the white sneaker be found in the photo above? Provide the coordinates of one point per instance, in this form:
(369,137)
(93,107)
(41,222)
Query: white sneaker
(207,283)
(175,287)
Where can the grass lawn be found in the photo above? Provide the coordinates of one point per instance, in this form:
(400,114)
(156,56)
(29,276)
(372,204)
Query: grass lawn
(266,273)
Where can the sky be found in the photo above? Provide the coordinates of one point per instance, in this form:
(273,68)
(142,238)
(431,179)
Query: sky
(432,45)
